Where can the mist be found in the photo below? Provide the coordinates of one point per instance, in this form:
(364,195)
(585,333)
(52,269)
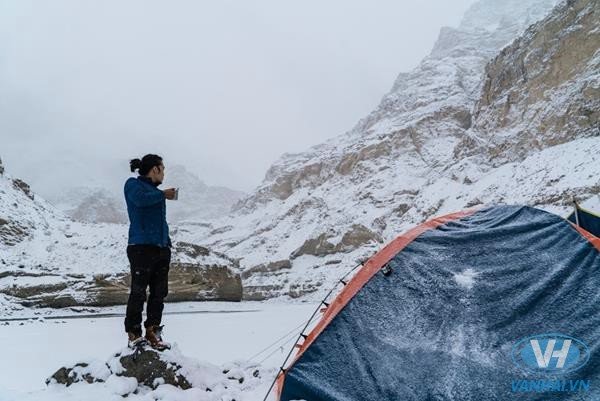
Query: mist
(222,87)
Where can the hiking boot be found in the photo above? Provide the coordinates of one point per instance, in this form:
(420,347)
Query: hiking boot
(135,340)
(154,337)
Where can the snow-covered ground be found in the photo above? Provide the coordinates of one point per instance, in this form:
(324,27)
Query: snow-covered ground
(217,333)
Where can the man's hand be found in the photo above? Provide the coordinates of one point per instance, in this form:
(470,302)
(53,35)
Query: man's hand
(169,193)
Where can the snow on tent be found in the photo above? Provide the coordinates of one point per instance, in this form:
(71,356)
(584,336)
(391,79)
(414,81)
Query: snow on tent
(498,303)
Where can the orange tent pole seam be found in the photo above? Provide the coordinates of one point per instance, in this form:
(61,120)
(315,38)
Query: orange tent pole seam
(595,241)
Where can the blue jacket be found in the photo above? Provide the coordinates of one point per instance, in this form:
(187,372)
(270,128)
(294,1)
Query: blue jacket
(147,210)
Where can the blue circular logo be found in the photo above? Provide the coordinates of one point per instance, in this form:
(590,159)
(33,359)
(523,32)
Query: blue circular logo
(551,353)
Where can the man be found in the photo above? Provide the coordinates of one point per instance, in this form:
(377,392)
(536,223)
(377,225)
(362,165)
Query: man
(148,250)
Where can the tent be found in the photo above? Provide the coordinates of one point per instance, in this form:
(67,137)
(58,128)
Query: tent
(586,219)
(447,310)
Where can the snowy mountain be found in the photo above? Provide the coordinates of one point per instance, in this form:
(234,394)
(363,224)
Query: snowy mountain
(100,204)
(91,205)
(197,201)
(503,110)
(48,259)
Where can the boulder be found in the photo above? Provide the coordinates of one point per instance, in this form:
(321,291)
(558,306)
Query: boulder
(138,372)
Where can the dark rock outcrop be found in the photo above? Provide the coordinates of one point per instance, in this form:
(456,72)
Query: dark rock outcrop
(12,232)
(131,372)
(319,246)
(187,282)
(23,187)
(191,250)
(149,369)
(357,236)
(353,238)
(77,373)
(146,367)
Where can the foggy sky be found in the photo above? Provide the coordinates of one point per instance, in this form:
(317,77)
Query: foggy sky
(222,87)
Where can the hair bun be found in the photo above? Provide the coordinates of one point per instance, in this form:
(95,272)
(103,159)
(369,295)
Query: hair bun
(135,164)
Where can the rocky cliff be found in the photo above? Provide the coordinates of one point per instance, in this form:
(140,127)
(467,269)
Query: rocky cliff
(542,90)
(503,110)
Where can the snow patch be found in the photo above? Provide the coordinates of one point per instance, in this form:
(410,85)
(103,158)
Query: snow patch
(466,278)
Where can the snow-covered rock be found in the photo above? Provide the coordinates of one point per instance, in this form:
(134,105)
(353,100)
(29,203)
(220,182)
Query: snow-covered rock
(149,374)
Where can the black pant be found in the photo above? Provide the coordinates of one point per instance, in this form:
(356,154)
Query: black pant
(149,268)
